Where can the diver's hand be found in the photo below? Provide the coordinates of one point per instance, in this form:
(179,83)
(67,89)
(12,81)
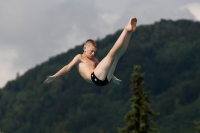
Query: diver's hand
(49,79)
(116,80)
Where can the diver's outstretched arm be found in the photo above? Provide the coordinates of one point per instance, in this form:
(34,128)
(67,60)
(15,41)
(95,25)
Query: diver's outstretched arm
(63,70)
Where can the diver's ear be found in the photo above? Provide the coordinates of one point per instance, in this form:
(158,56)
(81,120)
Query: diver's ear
(84,48)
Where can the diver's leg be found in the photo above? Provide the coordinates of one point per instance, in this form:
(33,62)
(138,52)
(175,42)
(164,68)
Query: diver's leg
(126,43)
(104,67)
(120,53)
(124,38)
(112,69)
(114,63)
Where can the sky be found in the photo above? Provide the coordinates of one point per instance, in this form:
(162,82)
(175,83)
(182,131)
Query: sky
(32,31)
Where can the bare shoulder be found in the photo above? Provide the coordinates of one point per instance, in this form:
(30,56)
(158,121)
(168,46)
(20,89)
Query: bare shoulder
(75,60)
(78,56)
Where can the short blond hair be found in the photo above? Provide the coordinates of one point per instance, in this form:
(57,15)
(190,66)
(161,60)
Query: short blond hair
(90,42)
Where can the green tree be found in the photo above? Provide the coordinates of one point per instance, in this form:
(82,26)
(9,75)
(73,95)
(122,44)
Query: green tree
(198,126)
(138,118)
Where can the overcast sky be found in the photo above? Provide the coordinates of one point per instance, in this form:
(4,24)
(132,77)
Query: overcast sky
(31,31)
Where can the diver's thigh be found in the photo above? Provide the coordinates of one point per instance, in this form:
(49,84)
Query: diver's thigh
(102,69)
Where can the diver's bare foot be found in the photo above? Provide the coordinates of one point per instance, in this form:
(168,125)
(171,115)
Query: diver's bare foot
(131,25)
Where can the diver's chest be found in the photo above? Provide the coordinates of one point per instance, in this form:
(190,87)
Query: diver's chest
(88,62)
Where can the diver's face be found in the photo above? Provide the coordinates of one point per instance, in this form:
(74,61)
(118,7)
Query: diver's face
(90,51)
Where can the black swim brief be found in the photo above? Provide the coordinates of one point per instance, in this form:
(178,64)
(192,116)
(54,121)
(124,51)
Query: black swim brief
(97,81)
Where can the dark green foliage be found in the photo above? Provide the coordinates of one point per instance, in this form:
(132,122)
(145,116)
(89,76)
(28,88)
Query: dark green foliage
(168,52)
(138,118)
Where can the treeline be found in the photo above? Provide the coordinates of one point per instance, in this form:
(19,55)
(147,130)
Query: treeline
(167,51)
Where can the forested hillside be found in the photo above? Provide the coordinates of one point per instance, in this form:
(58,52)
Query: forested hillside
(168,53)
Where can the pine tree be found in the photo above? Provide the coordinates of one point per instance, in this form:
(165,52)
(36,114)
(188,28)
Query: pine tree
(198,126)
(138,118)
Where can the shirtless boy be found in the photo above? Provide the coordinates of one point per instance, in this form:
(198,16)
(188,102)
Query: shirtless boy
(93,71)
